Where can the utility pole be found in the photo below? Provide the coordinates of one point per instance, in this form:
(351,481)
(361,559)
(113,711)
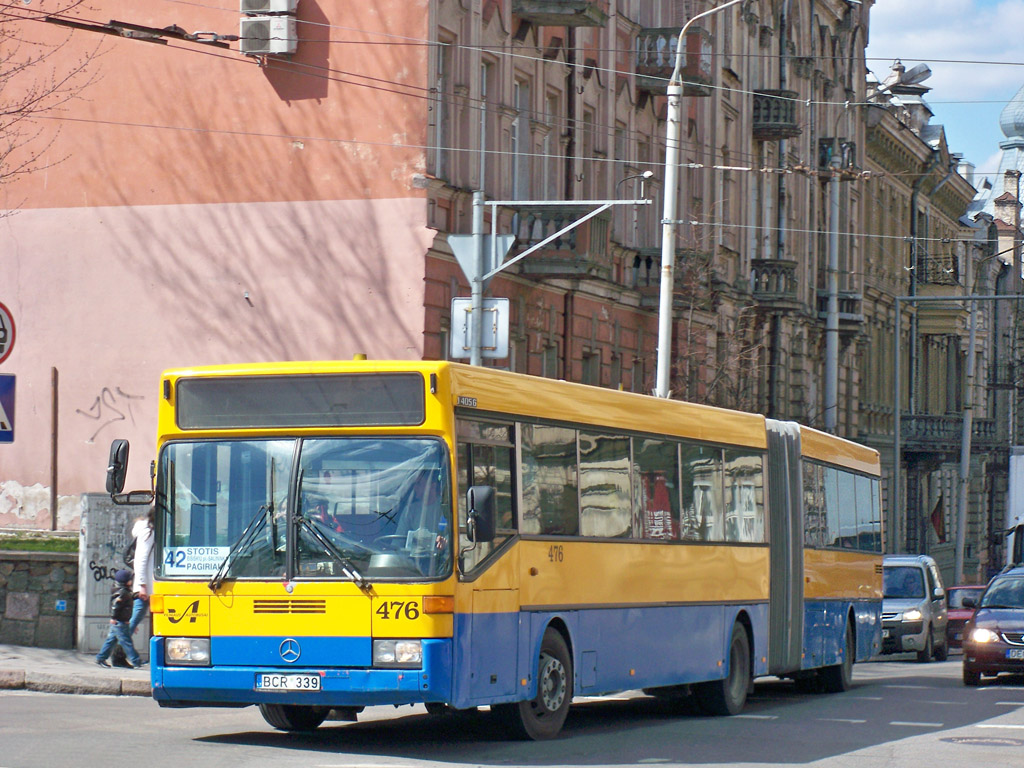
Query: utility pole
(965,451)
(476,321)
(673,130)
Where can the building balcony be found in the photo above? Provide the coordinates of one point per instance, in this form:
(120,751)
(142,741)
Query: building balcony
(937,270)
(773,283)
(774,115)
(944,434)
(851,316)
(562,13)
(690,289)
(656,59)
(583,251)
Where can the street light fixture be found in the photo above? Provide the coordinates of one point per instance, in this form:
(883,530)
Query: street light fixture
(668,222)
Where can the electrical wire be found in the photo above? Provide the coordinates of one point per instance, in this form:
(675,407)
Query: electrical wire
(428,94)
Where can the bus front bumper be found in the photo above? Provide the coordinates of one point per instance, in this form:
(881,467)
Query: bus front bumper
(235,685)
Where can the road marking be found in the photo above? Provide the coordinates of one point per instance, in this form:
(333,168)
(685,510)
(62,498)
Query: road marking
(840,720)
(897,685)
(916,725)
(604,698)
(1008,703)
(758,717)
(868,698)
(1013,727)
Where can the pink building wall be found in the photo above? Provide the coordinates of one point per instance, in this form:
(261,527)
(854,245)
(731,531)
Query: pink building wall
(200,209)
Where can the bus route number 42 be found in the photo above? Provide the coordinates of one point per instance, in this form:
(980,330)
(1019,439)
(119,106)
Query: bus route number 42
(398,609)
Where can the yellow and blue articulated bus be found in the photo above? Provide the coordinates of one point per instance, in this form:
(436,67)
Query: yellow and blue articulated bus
(337,535)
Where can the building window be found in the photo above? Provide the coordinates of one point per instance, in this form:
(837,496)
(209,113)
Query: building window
(441,109)
(549,361)
(551,150)
(637,383)
(592,368)
(520,139)
(486,112)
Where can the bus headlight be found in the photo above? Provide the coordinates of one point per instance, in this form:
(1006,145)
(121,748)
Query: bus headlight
(982,635)
(397,653)
(187,651)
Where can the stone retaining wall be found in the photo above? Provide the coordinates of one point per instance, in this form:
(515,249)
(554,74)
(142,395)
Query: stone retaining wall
(38,598)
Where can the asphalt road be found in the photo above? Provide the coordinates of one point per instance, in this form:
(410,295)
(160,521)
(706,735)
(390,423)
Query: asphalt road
(899,713)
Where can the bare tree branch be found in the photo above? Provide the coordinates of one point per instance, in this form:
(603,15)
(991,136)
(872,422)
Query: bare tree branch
(38,79)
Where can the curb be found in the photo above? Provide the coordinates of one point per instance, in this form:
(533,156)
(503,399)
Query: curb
(19,679)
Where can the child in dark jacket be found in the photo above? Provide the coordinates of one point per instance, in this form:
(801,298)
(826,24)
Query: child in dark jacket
(121,602)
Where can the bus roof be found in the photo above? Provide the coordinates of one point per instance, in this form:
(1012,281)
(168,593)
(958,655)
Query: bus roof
(837,450)
(496,391)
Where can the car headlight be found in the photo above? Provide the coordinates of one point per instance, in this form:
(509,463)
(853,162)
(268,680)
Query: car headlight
(912,615)
(397,653)
(982,635)
(187,651)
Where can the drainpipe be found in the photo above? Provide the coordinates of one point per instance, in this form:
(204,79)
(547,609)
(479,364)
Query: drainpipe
(570,113)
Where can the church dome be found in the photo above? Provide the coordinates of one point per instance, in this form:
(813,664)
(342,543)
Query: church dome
(1011,119)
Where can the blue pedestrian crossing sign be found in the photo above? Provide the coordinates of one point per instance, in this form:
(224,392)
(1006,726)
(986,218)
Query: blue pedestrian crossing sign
(6,407)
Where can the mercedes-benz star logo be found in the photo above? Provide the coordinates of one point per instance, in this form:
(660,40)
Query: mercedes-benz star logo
(290,650)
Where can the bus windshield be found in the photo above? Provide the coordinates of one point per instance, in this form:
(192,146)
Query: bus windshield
(345,508)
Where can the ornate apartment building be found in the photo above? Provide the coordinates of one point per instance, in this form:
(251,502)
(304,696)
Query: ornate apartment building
(302,209)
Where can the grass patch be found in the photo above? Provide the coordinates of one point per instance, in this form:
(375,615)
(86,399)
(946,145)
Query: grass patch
(18,543)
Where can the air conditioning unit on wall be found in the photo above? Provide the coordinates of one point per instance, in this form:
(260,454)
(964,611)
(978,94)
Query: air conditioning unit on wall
(267,35)
(267,6)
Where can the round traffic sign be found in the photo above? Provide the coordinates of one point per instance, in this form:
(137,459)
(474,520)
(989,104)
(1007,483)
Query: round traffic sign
(6,332)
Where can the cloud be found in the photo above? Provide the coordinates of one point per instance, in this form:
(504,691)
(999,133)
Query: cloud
(952,30)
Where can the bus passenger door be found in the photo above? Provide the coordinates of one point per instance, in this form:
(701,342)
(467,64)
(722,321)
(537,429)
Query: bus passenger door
(488,627)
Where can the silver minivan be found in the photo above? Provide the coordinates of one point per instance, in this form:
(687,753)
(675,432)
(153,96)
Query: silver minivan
(913,607)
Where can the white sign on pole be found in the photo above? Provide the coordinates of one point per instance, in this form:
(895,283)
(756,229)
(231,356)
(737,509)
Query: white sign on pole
(494,343)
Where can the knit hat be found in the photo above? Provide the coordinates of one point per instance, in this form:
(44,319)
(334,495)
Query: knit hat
(123,576)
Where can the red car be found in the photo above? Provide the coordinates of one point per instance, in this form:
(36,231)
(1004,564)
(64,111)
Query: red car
(958,615)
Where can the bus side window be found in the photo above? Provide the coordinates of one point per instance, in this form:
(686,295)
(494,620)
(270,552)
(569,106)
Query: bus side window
(551,504)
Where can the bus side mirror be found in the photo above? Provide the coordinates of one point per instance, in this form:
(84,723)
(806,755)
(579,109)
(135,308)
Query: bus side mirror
(970,602)
(117,466)
(480,517)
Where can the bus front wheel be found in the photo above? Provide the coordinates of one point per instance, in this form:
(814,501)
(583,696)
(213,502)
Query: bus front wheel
(293,717)
(542,716)
(727,696)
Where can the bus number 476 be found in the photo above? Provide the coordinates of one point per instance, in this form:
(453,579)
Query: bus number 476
(399,609)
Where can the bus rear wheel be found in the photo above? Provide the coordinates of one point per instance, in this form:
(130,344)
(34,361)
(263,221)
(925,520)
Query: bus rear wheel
(293,717)
(727,696)
(542,717)
(839,677)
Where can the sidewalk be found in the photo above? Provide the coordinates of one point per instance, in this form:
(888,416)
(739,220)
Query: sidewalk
(59,671)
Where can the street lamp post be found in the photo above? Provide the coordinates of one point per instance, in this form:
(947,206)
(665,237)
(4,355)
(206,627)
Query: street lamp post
(668,222)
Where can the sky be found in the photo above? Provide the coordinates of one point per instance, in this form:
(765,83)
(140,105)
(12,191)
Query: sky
(944,34)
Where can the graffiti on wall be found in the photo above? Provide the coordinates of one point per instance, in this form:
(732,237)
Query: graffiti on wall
(109,407)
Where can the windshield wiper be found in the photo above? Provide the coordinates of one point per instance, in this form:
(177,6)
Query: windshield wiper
(347,566)
(242,542)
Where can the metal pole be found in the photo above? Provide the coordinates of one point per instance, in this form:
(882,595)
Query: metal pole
(894,502)
(476,316)
(53,449)
(965,452)
(668,225)
(832,315)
